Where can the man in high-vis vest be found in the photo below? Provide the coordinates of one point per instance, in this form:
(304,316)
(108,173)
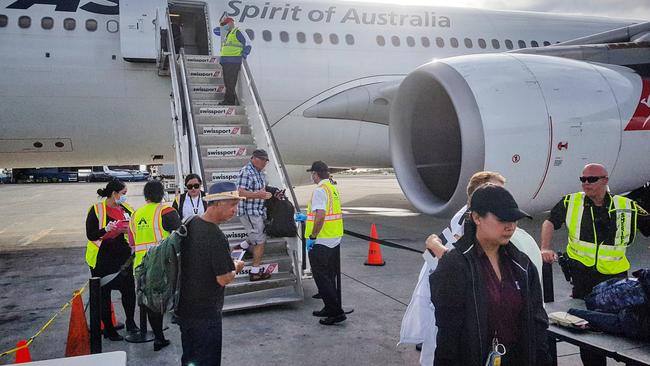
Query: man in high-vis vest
(600,226)
(324,230)
(235,47)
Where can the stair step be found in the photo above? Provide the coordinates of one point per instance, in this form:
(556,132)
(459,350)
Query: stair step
(221,175)
(282,262)
(227,151)
(207,92)
(243,285)
(202,62)
(270,297)
(222,134)
(205,76)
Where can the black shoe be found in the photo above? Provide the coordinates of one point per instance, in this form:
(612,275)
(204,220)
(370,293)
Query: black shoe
(131,327)
(418,347)
(317,296)
(321,313)
(331,320)
(159,344)
(259,276)
(113,336)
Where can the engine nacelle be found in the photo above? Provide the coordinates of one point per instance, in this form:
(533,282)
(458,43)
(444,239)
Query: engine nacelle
(535,119)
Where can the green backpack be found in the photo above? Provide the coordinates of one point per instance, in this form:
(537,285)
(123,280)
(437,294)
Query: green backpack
(159,275)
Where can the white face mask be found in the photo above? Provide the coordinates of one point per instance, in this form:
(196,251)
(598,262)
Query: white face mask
(121,200)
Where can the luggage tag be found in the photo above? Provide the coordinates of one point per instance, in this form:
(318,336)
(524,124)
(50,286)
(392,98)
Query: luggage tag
(498,350)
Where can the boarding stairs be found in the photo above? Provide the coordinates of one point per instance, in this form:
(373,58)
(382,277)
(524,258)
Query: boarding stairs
(216,142)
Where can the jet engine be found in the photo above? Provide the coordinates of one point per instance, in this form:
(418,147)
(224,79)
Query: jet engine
(535,119)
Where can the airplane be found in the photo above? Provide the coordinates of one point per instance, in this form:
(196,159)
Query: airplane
(438,93)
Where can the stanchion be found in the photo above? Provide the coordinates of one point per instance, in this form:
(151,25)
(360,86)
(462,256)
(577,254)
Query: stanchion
(547,282)
(95,299)
(338,284)
(143,335)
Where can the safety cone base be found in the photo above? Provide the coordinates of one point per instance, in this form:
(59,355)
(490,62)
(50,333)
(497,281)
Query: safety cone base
(383,262)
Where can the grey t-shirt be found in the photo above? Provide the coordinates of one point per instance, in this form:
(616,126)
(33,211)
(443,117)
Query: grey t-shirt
(205,254)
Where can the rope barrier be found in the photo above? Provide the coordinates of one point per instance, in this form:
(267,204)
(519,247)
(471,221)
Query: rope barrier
(381,242)
(47,324)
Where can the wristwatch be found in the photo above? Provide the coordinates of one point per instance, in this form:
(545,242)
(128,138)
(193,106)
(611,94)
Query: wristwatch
(311,237)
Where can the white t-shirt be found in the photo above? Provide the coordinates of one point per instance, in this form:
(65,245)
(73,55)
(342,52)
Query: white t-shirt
(319,202)
(192,206)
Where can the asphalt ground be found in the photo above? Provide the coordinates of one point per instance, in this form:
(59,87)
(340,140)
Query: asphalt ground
(42,243)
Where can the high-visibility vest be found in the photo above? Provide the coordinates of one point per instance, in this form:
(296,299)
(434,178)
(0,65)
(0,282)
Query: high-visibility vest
(231,45)
(333,225)
(147,229)
(92,248)
(609,258)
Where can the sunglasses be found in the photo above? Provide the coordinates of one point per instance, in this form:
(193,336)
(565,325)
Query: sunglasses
(193,186)
(592,179)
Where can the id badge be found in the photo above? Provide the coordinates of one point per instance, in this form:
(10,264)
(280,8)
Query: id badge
(498,350)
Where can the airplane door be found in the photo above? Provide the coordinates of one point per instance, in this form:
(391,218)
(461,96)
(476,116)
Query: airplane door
(138,27)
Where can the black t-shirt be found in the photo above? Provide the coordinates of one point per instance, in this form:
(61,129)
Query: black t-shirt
(204,256)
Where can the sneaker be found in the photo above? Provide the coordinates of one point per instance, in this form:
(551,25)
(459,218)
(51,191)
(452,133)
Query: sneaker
(259,276)
(322,313)
(331,320)
(159,344)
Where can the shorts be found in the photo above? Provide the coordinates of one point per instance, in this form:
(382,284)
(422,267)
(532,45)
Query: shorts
(254,226)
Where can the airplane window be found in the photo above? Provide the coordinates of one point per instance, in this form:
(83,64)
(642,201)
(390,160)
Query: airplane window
(522,44)
(495,44)
(547,43)
(300,36)
(454,42)
(410,41)
(284,36)
(24,21)
(381,41)
(481,43)
(47,23)
(349,39)
(395,41)
(69,24)
(318,38)
(112,26)
(509,44)
(334,39)
(440,42)
(91,25)
(3,21)
(468,43)
(534,44)
(266,35)
(426,42)
(250,33)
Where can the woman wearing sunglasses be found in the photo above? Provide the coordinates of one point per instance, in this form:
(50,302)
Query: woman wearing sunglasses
(191,202)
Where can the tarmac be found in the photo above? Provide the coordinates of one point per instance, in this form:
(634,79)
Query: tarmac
(42,241)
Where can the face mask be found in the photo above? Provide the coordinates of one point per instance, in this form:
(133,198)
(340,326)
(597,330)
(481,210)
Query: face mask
(121,200)
(226,28)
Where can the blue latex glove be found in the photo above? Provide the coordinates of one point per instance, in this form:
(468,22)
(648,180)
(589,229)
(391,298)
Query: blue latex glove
(299,216)
(310,244)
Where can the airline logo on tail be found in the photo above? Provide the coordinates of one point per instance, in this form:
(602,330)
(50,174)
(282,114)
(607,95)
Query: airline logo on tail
(641,119)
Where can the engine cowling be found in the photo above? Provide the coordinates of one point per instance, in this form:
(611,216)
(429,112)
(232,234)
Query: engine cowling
(535,119)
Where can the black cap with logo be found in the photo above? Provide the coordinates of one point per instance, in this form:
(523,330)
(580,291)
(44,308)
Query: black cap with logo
(318,166)
(261,154)
(497,200)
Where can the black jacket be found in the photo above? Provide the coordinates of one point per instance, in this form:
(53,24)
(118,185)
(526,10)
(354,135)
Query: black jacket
(459,293)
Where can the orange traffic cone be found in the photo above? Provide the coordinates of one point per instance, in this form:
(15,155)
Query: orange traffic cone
(22,355)
(78,336)
(374,251)
(116,324)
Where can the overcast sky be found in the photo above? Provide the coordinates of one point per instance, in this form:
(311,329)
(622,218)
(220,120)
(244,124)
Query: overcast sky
(633,9)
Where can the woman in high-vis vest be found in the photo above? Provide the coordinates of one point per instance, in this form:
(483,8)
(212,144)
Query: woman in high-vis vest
(191,202)
(108,253)
(152,223)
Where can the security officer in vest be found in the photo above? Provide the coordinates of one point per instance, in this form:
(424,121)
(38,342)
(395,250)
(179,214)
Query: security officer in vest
(601,226)
(235,46)
(324,231)
(152,223)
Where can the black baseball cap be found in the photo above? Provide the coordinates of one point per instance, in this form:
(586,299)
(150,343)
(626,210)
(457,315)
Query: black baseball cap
(261,154)
(318,166)
(497,200)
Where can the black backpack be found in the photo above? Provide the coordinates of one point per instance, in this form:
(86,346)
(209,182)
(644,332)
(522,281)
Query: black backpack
(280,221)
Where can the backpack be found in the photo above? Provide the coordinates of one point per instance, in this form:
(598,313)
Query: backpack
(617,294)
(158,277)
(280,221)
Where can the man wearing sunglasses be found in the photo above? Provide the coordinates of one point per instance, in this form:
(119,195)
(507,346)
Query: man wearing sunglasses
(601,226)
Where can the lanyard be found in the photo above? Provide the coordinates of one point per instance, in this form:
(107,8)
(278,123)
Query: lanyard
(194,208)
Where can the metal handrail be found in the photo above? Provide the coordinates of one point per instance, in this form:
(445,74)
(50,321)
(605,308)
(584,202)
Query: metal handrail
(194,138)
(269,134)
(177,141)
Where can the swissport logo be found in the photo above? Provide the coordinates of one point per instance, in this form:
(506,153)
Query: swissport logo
(203,59)
(235,234)
(221,131)
(227,176)
(641,119)
(226,152)
(209,89)
(220,111)
(206,74)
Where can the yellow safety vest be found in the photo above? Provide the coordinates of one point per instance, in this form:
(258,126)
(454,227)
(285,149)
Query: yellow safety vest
(333,225)
(92,248)
(230,46)
(147,229)
(609,258)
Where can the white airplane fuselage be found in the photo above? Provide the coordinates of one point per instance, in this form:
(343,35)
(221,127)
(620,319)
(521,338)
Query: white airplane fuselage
(72,91)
